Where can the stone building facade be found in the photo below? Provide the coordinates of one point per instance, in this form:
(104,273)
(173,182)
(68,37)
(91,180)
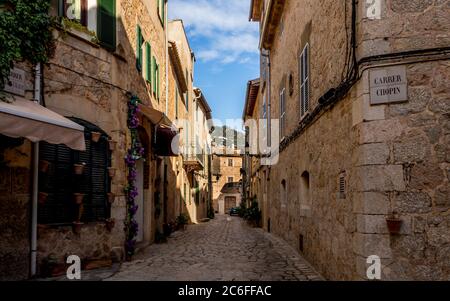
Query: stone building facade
(106,51)
(226,168)
(360,156)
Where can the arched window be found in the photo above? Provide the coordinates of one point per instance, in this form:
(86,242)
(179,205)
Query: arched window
(63,180)
(305,197)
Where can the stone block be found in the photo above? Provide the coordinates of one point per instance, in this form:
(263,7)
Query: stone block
(372,244)
(418,99)
(371,224)
(371,203)
(379,131)
(411,149)
(363,111)
(442,196)
(412,202)
(372,154)
(426,175)
(379,178)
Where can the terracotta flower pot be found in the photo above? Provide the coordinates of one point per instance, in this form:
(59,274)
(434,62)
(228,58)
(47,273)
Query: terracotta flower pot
(111,197)
(110,223)
(112,145)
(78,197)
(95,136)
(42,197)
(43,166)
(111,172)
(78,169)
(76,227)
(394,225)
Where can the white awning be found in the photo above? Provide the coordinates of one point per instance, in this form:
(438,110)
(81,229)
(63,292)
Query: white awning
(28,119)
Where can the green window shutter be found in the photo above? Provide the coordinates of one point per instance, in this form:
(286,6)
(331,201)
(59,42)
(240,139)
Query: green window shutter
(153,75)
(138,48)
(106,23)
(148,62)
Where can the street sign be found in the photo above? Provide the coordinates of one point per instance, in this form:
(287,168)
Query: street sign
(388,85)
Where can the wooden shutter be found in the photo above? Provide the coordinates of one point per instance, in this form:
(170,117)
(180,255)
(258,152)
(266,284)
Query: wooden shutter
(148,62)
(153,75)
(176,103)
(106,23)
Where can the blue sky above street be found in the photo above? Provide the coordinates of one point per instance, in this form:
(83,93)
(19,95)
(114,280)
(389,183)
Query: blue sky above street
(226,47)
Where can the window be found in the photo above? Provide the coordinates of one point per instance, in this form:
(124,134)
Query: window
(230,179)
(282,114)
(75,10)
(157,91)
(305,197)
(98,16)
(139,41)
(230,162)
(60,182)
(186,96)
(304,81)
(342,185)
(148,62)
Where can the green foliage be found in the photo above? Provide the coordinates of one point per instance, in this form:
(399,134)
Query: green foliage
(182,219)
(252,214)
(25,34)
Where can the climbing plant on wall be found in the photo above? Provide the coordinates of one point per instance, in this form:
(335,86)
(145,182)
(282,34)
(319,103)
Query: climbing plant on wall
(135,152)
(25,34)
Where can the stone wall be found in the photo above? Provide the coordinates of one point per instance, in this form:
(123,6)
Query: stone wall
(389,157)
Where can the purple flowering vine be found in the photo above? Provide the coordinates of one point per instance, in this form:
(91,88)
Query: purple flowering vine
(135,153)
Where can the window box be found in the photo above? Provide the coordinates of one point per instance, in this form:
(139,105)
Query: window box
(79,30)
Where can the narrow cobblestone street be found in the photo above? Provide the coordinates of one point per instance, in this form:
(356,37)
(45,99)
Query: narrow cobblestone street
(222,249)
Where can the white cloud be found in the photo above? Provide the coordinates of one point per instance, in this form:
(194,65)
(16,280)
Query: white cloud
(223,23)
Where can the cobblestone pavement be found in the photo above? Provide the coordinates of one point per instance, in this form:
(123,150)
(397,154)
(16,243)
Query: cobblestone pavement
(224,249)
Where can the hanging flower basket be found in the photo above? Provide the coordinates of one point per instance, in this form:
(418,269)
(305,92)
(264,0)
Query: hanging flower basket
(111,197)
(78,198)
(112,145)
(42,197)
(95,136)
(43,166)
(111,172)
(110,223)
(78,168)
(76,227)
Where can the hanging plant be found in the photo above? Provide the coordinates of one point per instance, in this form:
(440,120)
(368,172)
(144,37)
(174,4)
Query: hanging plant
(135,153)
(26,32)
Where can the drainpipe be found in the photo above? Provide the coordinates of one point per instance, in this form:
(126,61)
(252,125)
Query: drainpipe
(166,25)
(34,199)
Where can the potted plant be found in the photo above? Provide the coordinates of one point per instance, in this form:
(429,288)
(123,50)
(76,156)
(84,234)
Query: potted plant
(78,198)
(76,227)
(110,222)
(95,136)
(42,197)
(43,166)
(79,168)
(112,144)
(394,223)
(182,221)
(111,172)
(111,197)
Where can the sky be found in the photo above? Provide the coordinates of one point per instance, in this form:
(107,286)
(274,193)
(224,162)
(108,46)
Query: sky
(225,44)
